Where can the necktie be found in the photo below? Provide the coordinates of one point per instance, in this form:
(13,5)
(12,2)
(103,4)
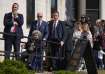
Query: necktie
(38,25)
(13,29)
(54,31)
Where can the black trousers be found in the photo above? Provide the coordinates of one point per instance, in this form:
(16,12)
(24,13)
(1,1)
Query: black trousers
(83,49)
(57,53)
(9,42)
(90,60)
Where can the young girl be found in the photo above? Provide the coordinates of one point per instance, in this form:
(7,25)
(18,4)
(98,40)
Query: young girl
(76,33)
(77,30)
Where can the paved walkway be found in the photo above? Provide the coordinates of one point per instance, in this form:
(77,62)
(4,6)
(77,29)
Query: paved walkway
(82,72)
(45,73)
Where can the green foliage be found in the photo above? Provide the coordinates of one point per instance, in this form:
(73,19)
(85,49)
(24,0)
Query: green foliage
(13,67)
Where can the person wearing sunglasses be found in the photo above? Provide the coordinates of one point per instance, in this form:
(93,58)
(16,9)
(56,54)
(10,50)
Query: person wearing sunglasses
(42,26)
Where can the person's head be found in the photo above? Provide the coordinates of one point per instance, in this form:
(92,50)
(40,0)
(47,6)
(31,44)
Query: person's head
(36,35)
(103,22)
(55,15)
(15,7)
(98,22)
(83,19)
(39,15)
(78,26)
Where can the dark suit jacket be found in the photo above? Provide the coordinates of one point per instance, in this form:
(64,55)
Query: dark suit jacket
(43,28)
(60,30)
(8,23)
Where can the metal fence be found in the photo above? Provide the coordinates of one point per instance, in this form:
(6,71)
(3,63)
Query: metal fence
(45,49)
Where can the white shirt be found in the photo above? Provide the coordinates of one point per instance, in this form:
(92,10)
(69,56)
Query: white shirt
(76,34)
(55,23)
(13,27)
(39,22)
(100,54)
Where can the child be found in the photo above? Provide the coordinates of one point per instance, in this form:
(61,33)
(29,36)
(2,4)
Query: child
(100,59)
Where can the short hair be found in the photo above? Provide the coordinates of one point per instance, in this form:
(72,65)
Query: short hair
(98,20)
(56,12)
(15,4)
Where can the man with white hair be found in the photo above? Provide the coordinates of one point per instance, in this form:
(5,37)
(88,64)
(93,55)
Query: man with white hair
(41,26)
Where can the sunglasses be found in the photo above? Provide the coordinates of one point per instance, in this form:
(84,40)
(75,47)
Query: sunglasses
(39,16)
(15,7)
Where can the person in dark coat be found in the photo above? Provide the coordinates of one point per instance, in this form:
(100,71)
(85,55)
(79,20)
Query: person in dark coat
(56,40)
(42,26)
(13,22)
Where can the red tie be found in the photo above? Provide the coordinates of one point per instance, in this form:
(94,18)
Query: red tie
(14,29)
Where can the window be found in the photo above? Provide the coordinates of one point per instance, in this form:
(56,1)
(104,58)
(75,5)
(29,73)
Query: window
(30,11)
(53,6)
(92,10)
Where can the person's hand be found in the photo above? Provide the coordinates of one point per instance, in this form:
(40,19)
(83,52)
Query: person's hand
(44,43)
(15,23)
(23,46)
(62,43)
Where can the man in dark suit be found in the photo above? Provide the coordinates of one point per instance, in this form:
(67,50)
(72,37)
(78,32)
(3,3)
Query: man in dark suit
(13,22)
(56,41)
(41,26)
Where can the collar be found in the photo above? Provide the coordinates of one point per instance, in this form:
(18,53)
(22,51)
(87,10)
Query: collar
(14,16)
(56,21)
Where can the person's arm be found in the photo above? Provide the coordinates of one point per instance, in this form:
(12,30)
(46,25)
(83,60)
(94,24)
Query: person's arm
(19,20)
(46,32)
(7,20)
(30,32)
(64,35)
(74,35)
(102,52)
(90,38)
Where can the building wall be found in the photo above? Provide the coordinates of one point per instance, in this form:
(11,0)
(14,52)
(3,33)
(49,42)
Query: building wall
(102,9)
(43,6)
(40,5)
(61,8)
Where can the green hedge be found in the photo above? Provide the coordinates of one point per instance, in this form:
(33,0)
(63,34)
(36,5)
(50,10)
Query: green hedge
(14,67)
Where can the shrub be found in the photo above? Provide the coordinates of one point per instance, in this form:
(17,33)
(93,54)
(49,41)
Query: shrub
(13,67)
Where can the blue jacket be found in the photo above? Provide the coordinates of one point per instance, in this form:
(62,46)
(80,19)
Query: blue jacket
(43,29)
(60,31)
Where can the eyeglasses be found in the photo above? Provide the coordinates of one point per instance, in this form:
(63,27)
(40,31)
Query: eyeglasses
(39,16)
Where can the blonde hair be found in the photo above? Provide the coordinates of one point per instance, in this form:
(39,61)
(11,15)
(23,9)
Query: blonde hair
(85,27)
(78,26)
